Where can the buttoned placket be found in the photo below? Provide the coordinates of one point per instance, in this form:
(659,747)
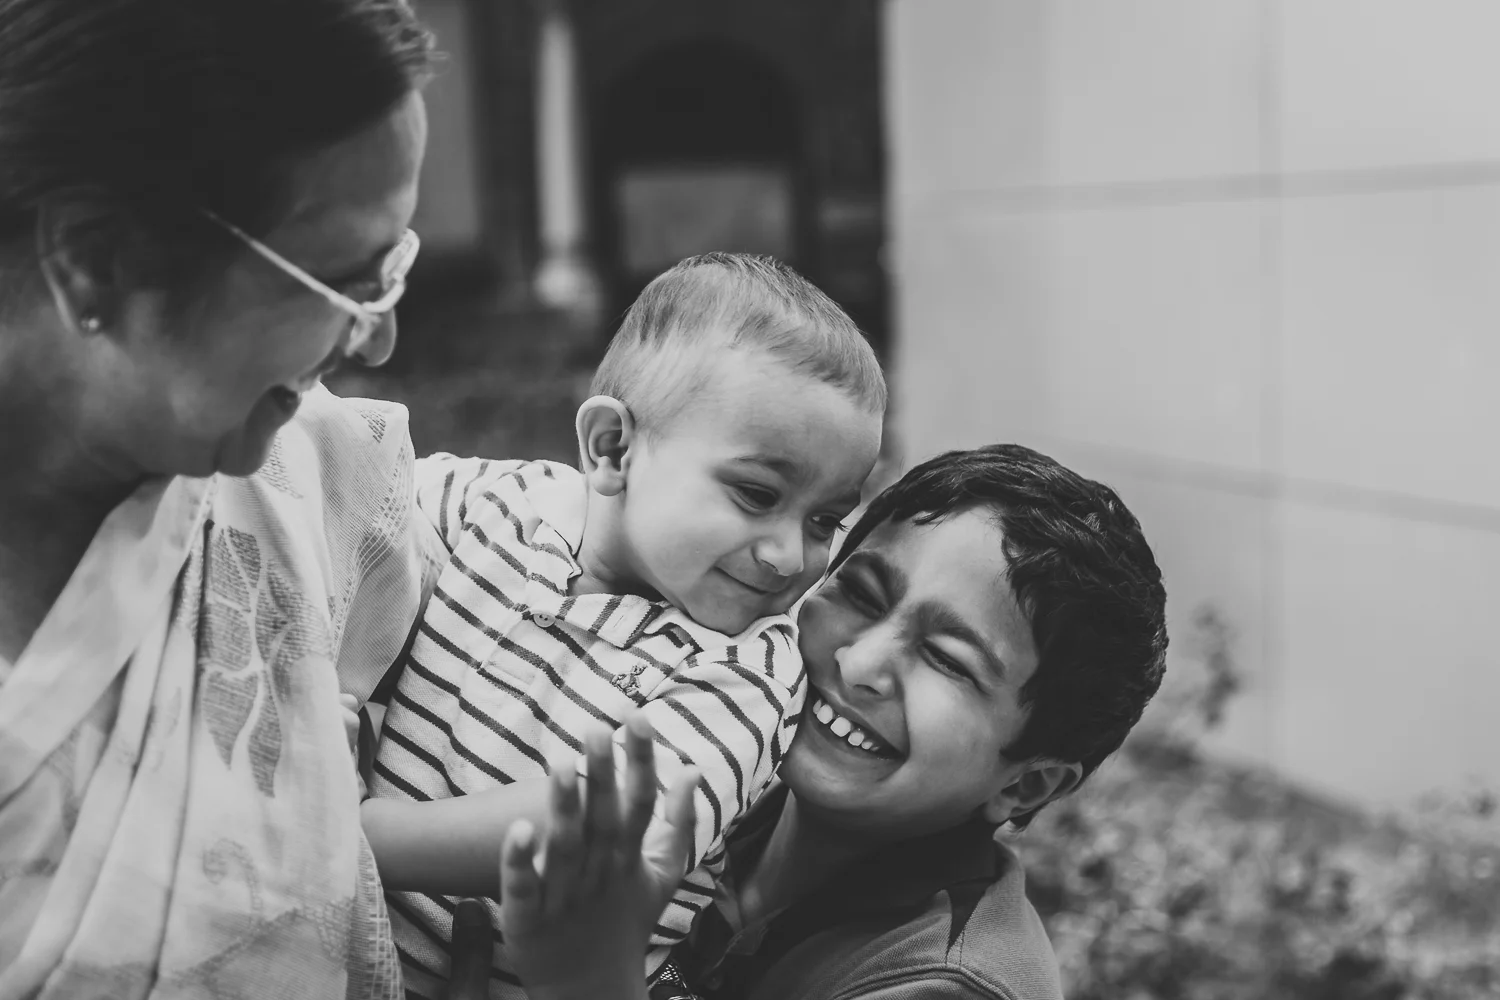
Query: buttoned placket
(545,608)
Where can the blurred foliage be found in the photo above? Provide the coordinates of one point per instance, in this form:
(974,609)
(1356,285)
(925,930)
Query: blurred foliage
(1171,875)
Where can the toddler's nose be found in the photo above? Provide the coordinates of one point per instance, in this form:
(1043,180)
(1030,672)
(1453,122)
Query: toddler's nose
(781,554)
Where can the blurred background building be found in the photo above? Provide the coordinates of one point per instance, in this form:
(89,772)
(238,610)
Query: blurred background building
(579,147)
(1240,259)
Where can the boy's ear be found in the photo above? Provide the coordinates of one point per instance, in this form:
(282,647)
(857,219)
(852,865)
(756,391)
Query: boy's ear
(1039,783)
(606,432)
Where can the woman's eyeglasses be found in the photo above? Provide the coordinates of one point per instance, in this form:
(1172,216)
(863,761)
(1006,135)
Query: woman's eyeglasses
(367,316)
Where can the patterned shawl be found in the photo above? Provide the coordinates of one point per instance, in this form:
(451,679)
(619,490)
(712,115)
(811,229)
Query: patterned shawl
(178,807)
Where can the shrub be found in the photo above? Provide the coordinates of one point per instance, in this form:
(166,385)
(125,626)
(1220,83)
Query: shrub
(1174,876)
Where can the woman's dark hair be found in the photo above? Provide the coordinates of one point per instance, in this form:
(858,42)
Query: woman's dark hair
(175,105)
(1084,577)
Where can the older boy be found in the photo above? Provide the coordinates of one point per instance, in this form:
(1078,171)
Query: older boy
(994,626)
(737,414)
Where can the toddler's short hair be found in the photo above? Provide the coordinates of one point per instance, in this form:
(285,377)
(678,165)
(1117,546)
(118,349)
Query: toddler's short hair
(657,361)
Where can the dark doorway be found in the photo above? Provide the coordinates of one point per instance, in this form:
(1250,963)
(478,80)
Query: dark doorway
(697,147)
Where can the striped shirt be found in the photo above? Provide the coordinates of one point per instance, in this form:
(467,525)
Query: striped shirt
(507,671)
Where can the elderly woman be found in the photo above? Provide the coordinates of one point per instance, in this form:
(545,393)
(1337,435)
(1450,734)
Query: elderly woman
(203,209)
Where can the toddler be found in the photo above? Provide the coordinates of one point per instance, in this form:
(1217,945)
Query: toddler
(734,420)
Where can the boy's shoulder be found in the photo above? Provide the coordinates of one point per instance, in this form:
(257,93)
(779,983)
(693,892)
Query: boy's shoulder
(945,915)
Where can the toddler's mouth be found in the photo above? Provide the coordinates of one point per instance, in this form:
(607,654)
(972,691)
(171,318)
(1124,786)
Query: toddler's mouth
(761,590)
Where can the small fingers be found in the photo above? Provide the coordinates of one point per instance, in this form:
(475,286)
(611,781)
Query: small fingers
(520,886)
(640,780)
(350,715)
(602,811)
(564,839)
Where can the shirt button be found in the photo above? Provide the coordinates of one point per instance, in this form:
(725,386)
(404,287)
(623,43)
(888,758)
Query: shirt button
(543,619)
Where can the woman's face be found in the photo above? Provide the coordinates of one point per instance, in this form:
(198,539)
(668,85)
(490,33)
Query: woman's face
(208,385)
(916,653)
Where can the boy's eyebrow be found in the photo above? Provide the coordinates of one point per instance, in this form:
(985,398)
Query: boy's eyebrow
(941,618)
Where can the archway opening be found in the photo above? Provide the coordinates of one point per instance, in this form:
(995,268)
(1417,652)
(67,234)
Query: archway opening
(697,147)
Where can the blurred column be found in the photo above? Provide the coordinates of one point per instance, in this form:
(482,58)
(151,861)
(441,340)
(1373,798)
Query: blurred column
(565,278)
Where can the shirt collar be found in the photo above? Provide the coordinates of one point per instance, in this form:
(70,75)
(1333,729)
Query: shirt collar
(619,619)
(963,860)
(563,504)
(900,874)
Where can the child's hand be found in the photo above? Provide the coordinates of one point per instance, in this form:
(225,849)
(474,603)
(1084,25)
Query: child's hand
(349,708)
(581,929)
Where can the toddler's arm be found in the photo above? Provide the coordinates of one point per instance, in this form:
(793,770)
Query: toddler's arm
(448,846)
(726,712)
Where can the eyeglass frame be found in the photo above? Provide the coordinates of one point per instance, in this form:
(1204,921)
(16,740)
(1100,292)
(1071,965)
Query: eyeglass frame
(394,268)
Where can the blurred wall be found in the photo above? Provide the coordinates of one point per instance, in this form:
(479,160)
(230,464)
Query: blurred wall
(1241,260)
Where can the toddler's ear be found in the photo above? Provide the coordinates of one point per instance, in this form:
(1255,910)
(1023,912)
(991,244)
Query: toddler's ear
(606,431)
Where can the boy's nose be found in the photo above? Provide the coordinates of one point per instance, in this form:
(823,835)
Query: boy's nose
(867,663)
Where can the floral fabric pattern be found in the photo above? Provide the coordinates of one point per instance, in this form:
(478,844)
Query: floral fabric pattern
(178,807)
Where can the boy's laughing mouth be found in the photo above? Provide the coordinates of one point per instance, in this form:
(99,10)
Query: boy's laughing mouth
(846,726)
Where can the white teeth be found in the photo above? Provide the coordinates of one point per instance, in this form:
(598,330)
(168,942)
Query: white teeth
(842,727)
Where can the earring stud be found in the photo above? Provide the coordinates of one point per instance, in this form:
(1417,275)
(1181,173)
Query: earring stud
(90,323)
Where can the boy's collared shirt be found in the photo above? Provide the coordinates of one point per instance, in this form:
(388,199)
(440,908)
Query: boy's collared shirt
(941,916)
(508,671)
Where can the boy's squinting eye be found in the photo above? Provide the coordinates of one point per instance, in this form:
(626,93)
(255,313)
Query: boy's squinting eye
(945,662)
(859,595)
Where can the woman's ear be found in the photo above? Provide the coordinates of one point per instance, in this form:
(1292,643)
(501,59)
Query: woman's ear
(606,433)
(1038,783)
(80,242)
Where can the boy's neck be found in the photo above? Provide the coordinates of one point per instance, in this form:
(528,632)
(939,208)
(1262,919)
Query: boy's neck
(800,855)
